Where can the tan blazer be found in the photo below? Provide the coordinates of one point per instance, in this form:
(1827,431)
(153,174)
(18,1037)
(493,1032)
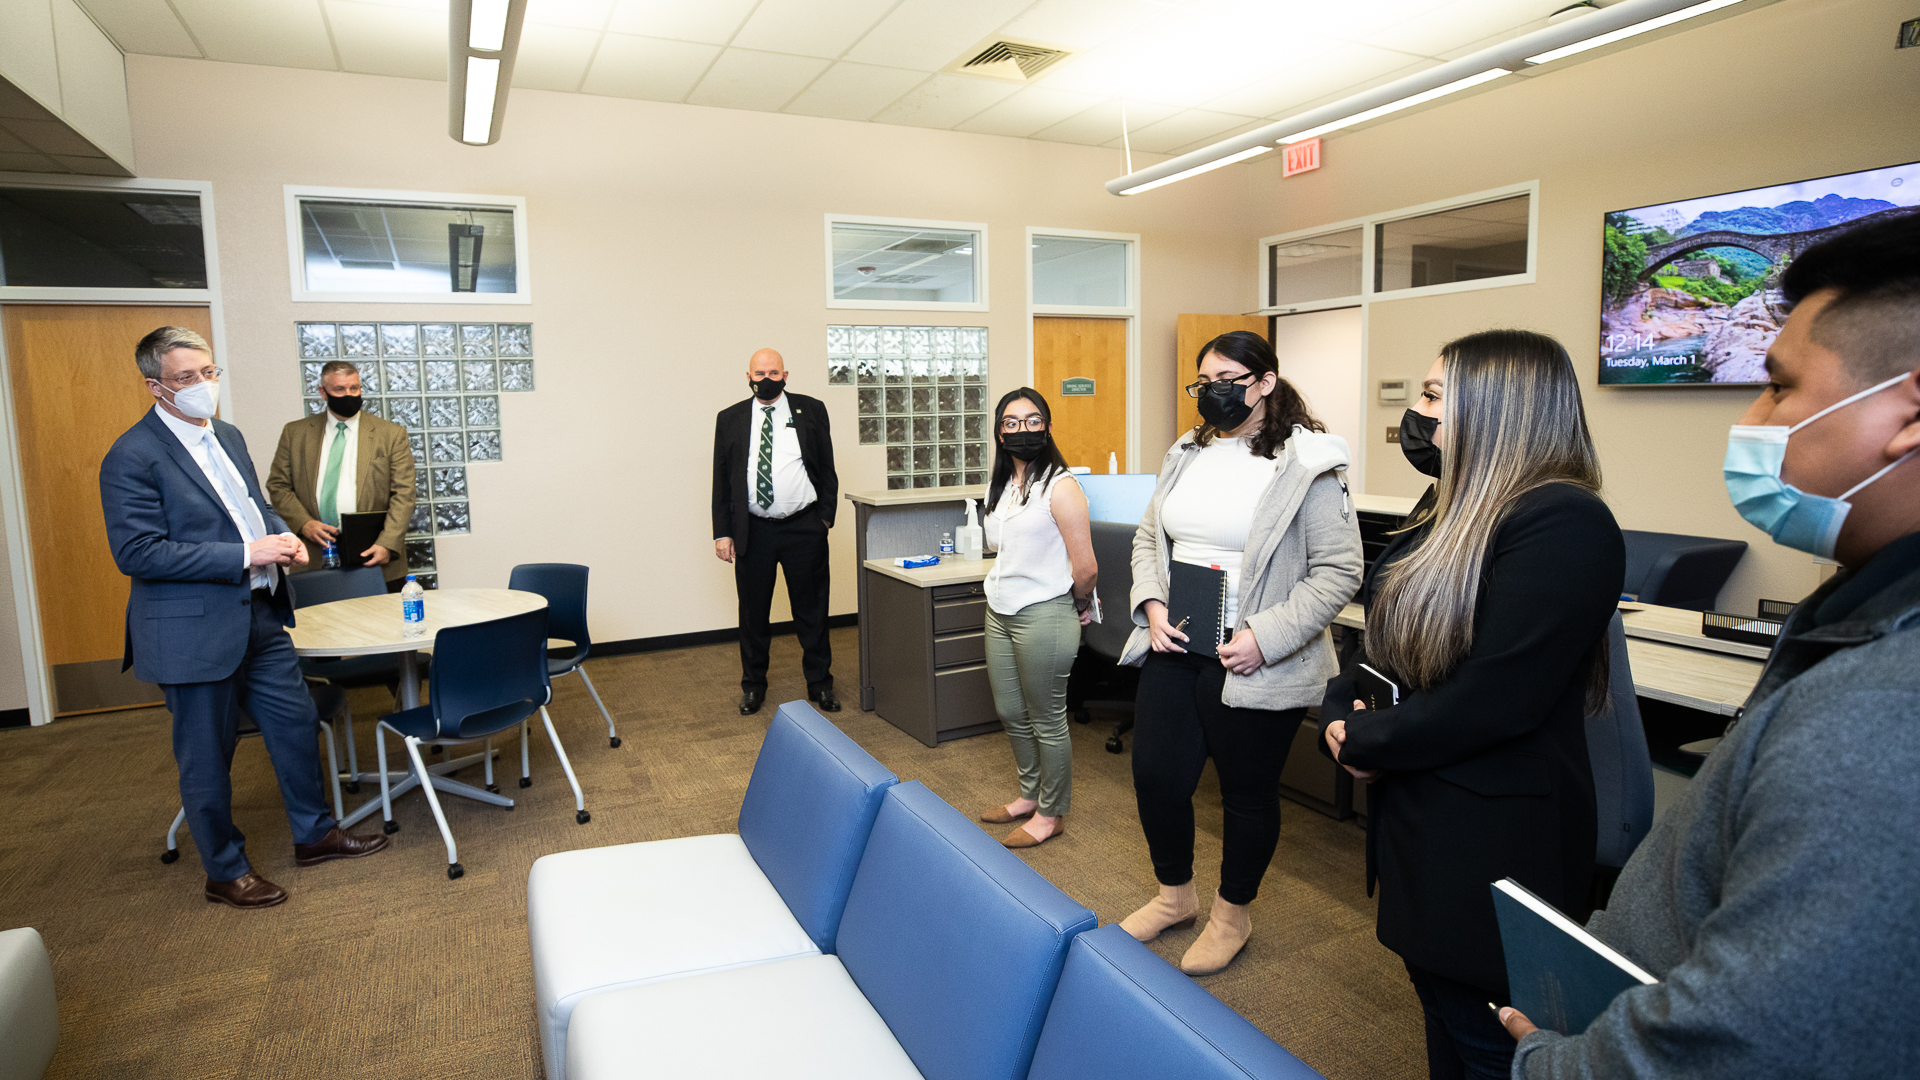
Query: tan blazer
(383,480)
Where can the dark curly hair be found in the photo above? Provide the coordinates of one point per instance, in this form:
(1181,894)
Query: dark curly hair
(1281,410)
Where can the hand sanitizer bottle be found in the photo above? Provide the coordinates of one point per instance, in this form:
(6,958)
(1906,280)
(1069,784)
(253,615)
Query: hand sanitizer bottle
(1113,463)
(968,538)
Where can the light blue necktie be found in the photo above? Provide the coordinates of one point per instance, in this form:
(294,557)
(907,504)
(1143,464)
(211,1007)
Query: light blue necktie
(252,525)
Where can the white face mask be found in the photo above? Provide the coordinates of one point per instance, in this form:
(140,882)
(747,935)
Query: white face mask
(200,401)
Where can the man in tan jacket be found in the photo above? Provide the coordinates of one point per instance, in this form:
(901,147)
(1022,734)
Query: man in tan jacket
(342,461)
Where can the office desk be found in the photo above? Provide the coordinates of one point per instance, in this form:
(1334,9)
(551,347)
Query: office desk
(929,648)
(892,523)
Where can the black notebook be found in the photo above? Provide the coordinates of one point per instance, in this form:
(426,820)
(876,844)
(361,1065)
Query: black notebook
(1559,975)
(1378,691)
(1198,594)
(358,532)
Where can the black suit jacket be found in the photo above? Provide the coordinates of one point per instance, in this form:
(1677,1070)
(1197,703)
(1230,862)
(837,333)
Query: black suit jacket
(733,443)
(1486,775)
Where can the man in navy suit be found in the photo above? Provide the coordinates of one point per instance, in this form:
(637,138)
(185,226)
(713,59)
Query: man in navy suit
(207,615)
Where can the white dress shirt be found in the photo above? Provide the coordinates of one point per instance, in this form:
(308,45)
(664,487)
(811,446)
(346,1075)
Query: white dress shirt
(210,456)
(792,489)
(346,493)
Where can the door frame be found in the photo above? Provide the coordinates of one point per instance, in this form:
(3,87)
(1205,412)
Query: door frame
(26,597)
(1130,313)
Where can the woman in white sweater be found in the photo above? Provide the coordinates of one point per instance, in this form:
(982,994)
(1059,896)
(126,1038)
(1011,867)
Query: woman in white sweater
(1257,492)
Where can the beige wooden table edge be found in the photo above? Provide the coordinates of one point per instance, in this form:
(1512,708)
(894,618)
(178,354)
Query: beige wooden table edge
(377,629)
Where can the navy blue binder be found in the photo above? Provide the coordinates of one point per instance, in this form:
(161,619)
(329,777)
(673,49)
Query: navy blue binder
(1560,976)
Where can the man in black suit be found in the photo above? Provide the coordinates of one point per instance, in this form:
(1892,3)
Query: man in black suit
(774,492)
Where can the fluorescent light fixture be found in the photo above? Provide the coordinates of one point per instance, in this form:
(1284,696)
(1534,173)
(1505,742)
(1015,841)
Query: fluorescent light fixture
(1404,103)
(1252,151)
(483,81)
(1628,31)
(487,26)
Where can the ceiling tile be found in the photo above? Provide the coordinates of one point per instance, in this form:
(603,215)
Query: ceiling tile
(1312,77)
(11,143)
(810,27)
(849,91)
(1097,125)
(51,137)
(927,35)
(746,79)
(1181,128)
(639,67)
(579,14)
(553,57)
(945,100)
(91,166)
(289,33)
(379,39)
(1080,24)
(1238,129)
(709,21)
(1026,112)
(142,26)
(10,162)
(1447,27)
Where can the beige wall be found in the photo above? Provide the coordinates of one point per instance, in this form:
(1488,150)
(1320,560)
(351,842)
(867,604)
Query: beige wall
(1787,92)
(667,243)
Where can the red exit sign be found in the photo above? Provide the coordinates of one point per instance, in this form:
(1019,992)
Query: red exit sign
(1301,157)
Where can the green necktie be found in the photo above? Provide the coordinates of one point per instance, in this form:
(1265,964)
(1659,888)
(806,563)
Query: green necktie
(330,484)
(763,473)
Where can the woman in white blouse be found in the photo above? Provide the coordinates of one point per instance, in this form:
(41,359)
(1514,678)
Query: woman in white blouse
(1039,594)
(1257,491)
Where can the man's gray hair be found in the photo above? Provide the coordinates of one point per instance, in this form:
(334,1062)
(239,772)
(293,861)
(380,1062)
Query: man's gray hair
(155,346)
(336,367)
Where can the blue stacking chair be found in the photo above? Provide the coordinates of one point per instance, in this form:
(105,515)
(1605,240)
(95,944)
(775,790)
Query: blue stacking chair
(352,672)
(488,678)
(565,587)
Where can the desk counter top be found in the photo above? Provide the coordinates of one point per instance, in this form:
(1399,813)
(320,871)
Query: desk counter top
(955,571)
(911,496)
(1398,506)
(1679,626)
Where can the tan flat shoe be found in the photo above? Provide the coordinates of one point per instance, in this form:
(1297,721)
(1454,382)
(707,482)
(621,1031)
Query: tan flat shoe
(1175,908)
(1226,933)
(997,815)
(1021,838)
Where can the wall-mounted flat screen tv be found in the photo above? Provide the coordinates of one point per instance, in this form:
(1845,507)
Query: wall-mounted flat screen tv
(1690,290)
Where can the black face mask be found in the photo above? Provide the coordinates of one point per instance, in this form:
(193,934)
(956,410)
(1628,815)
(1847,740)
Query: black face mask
(345,406)
(767,389)
(1416,441)
(1224,405)
(1025,445)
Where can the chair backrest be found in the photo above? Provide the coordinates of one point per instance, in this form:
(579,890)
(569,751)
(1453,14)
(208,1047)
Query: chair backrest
(565,587)
(29,1015)
(1622,770)
(1122,498)
(1678,570)
(956,942)
(489,676)
(1113,552)
(808,809)
(326,586)
(1122,1011)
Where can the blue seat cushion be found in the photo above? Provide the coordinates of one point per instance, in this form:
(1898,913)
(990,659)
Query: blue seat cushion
(419,722)
(955,941)
(1122,1011)
(809,806)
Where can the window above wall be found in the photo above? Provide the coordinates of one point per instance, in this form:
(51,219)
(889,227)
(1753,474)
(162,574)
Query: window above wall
(902,264)
(1072,271)
(406,247)
(64,238)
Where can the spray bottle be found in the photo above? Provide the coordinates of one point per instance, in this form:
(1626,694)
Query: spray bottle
(967,539)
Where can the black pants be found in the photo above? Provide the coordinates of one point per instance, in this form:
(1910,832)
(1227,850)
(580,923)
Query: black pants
(1465,1039)
(1179,722)
(797,545)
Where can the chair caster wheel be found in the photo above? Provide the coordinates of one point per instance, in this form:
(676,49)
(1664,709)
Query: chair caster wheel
(583,817)
(508,808)
(170,856)
(454,870)
(1115,746)
(390,827)
(1082,716)
(495,788)
(614,742)
(434,750)
(526,781)
(352,788)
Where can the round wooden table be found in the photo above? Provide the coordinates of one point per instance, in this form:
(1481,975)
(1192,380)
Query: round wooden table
(371,626)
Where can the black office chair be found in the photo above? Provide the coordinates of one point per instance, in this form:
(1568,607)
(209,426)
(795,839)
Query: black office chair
(1097,670)
(565,587)
(351,672)
(1622,769)
(1680,571)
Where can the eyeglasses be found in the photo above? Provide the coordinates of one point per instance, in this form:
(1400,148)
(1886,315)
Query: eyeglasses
(1036,422)
(1195,389)
(211,374)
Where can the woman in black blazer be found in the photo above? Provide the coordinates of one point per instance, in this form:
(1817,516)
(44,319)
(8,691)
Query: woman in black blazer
(1490,613)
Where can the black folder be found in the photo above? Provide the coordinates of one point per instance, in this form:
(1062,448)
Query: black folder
(1198,594)
(358,532)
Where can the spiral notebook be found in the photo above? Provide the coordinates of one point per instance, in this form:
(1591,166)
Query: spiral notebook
(1198,594)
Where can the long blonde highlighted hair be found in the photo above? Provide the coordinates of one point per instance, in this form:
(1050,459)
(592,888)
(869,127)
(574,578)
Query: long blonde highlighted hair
(1513,422)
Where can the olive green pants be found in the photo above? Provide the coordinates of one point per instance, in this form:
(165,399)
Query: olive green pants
(1029,656)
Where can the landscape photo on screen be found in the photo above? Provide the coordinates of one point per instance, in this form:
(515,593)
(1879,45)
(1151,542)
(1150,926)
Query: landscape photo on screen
(1690,290)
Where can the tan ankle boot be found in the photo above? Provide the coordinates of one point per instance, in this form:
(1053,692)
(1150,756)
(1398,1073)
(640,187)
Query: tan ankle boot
(1174,909)
(1225,935)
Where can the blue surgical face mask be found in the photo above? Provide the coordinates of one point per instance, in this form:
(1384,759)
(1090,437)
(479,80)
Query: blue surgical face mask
(1795,519)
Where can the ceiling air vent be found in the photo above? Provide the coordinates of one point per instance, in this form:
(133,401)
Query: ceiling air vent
(1008,59)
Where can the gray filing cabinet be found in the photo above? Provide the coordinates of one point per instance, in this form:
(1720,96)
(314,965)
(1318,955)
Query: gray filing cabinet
(929,662)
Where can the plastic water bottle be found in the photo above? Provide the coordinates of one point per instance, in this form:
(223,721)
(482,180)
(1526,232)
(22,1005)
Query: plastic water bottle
(413,606)
(946,543)
(329,557)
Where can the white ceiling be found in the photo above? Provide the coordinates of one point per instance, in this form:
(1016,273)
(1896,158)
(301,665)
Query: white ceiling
(1190,72)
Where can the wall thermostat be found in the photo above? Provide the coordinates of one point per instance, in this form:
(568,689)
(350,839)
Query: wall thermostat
(1392,390)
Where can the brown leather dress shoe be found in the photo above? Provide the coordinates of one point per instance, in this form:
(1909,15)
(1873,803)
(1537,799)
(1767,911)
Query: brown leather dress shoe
(337,845)
(250,890)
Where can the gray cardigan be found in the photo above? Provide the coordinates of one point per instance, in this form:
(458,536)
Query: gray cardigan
(1302,566)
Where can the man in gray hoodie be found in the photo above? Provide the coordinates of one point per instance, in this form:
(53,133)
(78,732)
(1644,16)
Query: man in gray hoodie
(1778,902)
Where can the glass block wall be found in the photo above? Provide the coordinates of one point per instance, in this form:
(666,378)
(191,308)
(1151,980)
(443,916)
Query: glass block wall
(923,395)
(442,382)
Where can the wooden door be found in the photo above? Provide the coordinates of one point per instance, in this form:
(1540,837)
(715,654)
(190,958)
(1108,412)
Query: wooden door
(1194,332)
(1069,352)
(75,390)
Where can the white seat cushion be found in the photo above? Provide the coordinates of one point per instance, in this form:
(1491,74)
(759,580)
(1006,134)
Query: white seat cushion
(614,917)
(800,1019)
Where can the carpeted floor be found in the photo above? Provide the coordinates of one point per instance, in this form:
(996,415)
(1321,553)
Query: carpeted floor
(382,965)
